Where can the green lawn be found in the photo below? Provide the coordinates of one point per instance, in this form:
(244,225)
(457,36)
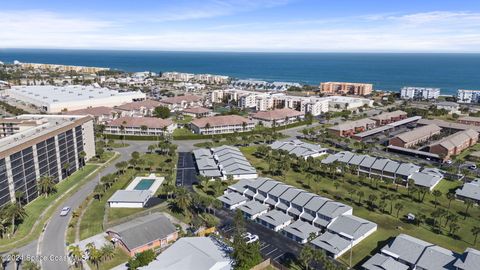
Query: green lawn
(92,220)
(182,132)
(186,119)
(388,224)
(38,206)
(119,258)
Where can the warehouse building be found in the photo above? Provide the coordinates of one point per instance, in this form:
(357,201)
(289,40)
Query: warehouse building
(51,145)
(55,99)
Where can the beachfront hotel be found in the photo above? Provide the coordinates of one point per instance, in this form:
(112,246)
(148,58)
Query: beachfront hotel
(468,96)
(55,99)
(36,145)
(419,93)
(335,88)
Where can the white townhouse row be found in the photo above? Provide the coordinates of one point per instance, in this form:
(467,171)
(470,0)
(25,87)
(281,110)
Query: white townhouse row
(386,168)
(186,77)
(299,215)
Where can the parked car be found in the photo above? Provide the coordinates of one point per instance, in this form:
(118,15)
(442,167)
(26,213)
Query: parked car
(65,211)
(250,238)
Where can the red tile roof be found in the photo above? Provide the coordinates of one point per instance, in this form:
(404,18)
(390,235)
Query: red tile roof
(196,110)
(95,111)
(150,122)
(221,120)
(278,114)
(148,103)
(179,99)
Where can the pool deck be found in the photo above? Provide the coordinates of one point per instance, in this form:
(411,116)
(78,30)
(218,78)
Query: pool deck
(153,188)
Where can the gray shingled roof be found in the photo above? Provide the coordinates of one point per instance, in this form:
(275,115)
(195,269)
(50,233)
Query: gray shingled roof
(206,164)
(351,225)
(290,194)
(141,231)
(301,229)
(331,242)
(356,160)
(469,260)
(435,257)
(345,157)
(232,198)
(303,198)
(391,166)
(382,262)
(315,203)
(253,207)
(279,190)
(407,169)
(130,196)
(241,185)
(470,190)
(407,248)
(199,253)
(380,163)
(275,218)
(334,209)
(425,179)
(298,148)
(268,185)
(368,161)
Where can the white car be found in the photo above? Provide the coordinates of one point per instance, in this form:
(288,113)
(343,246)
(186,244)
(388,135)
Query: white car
(65,211)
(250,238)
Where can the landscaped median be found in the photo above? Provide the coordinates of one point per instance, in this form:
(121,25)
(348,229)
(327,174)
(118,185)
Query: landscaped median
(41,209)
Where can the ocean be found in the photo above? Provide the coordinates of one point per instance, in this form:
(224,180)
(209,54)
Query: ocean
(387,71)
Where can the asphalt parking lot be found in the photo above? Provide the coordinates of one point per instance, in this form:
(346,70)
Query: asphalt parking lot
(273,245)
(186,171)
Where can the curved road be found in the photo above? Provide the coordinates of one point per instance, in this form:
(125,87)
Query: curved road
(53,241)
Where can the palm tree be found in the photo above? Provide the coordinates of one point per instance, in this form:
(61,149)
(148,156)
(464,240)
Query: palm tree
(371,200)
(453,228)
(152,148)
(14,212)
(66,167)
(436,194)
(475,231)
(468,203)
(76,255)
(108,251)
(98,191)
(143,128)
(183,199)
(398,207)
(450,197)
(306,256)
(360,195)
(121,166)
(46,185)
(82,156)
(94,255)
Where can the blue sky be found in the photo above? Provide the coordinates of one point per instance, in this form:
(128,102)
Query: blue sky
(244,25)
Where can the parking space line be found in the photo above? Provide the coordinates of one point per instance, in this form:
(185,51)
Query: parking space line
(267,245)
(271,252)
(276,258)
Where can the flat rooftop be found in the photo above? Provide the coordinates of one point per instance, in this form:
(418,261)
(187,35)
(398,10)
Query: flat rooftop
(58,94)
(46,125)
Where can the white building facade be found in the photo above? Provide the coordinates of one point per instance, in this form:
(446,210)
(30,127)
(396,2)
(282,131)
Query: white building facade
(419,93)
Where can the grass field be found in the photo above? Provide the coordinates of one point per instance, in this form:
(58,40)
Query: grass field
(388,224)
(120,257)
(38,206)
(182,132)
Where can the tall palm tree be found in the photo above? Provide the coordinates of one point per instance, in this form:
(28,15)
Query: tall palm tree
(82,156)
(76,254)
(450,196)
(436,194)
(94,254)
(16,260)
(46,185)
(468,204)
(14,212)
(183,199)
(107,251)
(475,231)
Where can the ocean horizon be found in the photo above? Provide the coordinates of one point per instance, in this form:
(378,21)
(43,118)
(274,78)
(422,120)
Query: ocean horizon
(386,71)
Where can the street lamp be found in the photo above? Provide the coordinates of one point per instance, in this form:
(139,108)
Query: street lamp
(351,238)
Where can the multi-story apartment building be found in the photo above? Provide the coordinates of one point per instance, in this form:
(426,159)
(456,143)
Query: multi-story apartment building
(52,146)
(469,120)
(221,124)
(468,96)
(335,88)
(415,136)
(63,68)
(389,117)
(454,144)
(419,93)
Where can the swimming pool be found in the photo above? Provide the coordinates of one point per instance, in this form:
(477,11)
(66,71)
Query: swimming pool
(144,184)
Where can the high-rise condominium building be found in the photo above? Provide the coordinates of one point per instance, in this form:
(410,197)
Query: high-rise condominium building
(419,93)
(33,146)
